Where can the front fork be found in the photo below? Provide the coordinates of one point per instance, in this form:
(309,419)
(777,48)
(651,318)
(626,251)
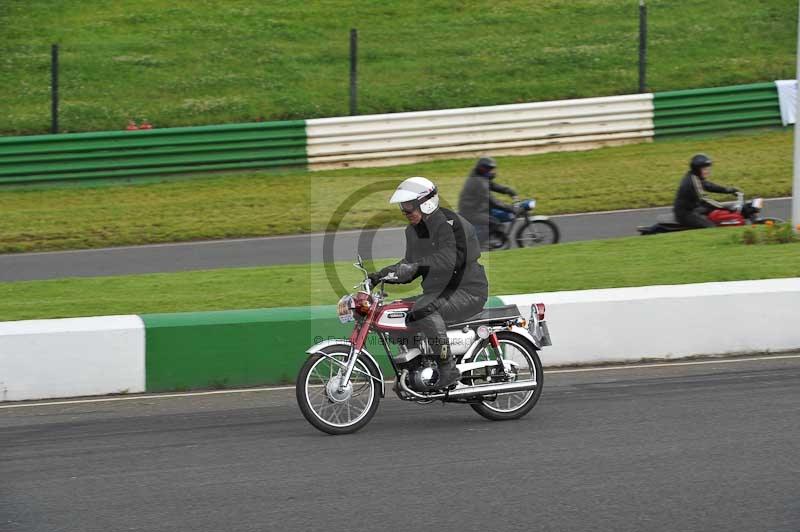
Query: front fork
(348,370)
(357,340)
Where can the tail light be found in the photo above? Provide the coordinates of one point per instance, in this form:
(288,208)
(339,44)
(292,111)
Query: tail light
(540,311)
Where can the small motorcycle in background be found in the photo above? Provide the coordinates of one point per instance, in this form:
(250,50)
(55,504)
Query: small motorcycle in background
(741,212)
(523,228)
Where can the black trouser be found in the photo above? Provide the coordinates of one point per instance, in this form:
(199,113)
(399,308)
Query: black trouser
(431,311)
(696,218)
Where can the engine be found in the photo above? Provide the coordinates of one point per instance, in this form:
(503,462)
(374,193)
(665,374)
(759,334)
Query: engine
(423,374)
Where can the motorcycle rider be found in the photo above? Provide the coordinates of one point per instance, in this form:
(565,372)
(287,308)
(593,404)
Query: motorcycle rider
(476,200)
(441,246)
(691,204)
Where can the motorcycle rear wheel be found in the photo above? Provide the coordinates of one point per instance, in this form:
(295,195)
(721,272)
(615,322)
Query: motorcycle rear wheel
(516,404)
(316,395)
(769,219)
(536,232)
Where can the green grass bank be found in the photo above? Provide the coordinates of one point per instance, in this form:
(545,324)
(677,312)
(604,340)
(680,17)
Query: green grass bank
(688,257)
(183,62)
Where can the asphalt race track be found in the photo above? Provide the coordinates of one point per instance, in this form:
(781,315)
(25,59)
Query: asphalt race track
(710,446)
(299,249)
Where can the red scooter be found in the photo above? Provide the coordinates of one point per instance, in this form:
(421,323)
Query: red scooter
(740,212)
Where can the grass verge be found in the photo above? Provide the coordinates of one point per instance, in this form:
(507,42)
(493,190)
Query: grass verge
(184,62)
(689,257)
(264,204)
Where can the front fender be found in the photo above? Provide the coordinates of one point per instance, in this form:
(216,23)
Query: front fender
(538,218)
(319,349)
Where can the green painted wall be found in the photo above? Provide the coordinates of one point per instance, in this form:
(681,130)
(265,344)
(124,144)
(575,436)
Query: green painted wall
(240,347)
(112,154)
(716,109)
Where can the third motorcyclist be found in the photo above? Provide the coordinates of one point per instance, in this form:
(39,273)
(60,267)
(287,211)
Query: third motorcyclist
(441,246)
(691,204)
(476,200)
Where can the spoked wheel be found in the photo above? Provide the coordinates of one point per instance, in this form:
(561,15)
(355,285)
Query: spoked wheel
(328,406)
(514,405)
(536,233)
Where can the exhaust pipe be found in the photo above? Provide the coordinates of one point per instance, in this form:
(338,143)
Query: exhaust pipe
(470,391)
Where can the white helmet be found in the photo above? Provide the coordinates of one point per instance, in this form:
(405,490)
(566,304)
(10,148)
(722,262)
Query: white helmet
(419,190)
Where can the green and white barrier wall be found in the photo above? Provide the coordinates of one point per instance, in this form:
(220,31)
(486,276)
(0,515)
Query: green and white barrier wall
(165,352)
(389,139)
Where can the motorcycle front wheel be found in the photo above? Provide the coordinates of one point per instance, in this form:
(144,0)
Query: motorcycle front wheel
(536,232)
(326,406)
(514,405)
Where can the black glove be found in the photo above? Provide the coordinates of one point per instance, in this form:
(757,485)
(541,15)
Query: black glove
(733,190)
(406,272)
(374,278)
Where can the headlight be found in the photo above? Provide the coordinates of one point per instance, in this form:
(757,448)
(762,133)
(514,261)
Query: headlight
(345,309)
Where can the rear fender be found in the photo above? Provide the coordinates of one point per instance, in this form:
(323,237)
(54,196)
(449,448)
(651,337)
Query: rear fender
(318,349)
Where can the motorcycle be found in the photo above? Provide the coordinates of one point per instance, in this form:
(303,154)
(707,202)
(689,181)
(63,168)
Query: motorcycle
(523,228)
(740,212)
(340,385)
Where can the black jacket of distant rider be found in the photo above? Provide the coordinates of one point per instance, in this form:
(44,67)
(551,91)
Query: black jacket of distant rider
(691,195)
(446,249)
(476,198)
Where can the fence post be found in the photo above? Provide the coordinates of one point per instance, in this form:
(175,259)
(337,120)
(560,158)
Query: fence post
(54,88)
(353,72)
(642,46)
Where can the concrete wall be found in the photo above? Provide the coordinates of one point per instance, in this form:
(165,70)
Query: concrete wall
(71,357)
(625,324)
(96,356)
(390,139)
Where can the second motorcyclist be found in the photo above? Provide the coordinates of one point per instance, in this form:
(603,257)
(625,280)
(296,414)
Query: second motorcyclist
(476,200)
(691,204)
(442,248)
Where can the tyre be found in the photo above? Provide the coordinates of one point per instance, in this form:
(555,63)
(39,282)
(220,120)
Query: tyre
(536,232)
(769,219)
(512,405)
(323,405)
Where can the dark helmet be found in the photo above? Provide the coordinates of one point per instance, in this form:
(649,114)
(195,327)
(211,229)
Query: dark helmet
(488,162)
(485,166)
(701,160)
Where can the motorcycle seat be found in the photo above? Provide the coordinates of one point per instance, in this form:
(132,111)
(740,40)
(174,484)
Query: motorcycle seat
(488,316)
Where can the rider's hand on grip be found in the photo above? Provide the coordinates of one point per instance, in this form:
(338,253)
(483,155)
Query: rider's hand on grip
(405,272)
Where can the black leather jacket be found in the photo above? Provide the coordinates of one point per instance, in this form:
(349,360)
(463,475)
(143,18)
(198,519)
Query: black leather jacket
(476,200)
(690,194)
(446,249)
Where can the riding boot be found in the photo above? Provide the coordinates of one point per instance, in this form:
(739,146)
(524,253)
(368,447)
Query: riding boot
(448,372)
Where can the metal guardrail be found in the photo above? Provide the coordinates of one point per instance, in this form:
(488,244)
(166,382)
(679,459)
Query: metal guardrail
(716,109)
(390,139)
(110,154)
